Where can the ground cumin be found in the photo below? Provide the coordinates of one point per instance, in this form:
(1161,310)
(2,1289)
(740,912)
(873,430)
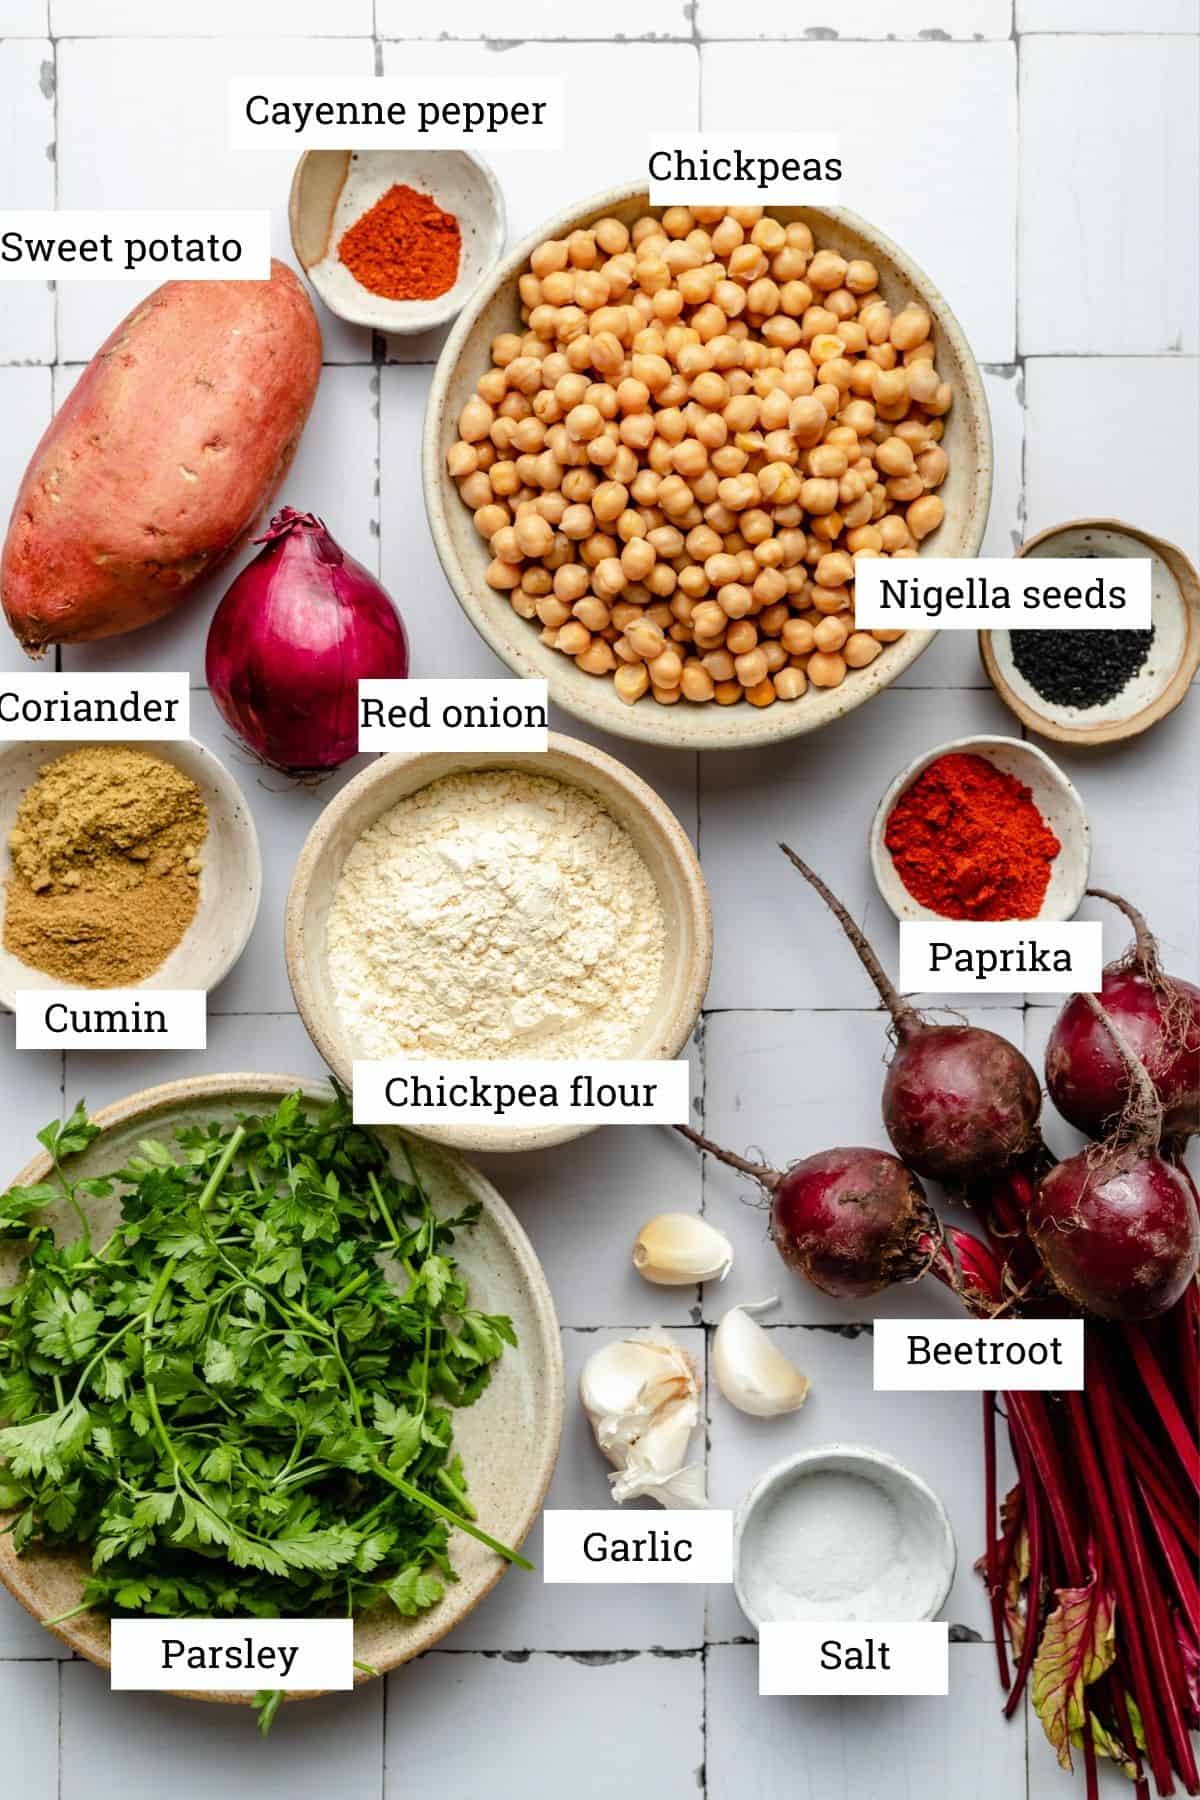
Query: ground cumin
(404,248)
(106,866)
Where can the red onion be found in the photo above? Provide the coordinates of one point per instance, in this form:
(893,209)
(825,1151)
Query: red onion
(852,1221)
(291,638)
(1157,1013)
(1116,1225)
(958,1102)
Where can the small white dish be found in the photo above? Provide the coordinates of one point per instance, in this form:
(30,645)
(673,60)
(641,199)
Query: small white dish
(333,188)
(230,874)
(900,1553)
(1056,798)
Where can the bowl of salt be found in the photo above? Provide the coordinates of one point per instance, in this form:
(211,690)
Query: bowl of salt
(842,1532)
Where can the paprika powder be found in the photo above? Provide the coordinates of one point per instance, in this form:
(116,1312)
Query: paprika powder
(968,842)
(404,247)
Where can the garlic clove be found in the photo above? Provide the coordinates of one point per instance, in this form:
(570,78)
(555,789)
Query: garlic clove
(677,1249)
(751,1373)
(642,1399)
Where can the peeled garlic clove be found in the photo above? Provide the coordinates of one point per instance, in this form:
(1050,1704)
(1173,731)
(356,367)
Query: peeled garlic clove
(642,1398)
(751,1373)
(677,1249)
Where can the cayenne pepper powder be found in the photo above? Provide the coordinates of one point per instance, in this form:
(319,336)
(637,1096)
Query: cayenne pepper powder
(404,248)
(969,843)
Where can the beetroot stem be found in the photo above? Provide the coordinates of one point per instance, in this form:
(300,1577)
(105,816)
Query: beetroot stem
(1164,1402)
(1146,950)
(1147,1117)
(905,1017)
(770,1178)
(1033,1603)
(994,1574)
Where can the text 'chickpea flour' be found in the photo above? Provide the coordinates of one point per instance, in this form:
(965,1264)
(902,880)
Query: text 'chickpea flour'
(497,914)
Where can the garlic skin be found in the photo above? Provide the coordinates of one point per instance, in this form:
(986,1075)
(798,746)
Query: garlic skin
(642,1399)
(679,1249)
(751,1373)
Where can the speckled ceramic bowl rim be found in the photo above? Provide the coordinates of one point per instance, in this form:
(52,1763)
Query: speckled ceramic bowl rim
(978,745)
(1117,730)
(675,1028)
(781,1473)
(432,312)
(234,801)
(682,727)
(198,1088)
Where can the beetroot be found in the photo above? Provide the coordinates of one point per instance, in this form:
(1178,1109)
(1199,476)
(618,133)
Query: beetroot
(1159,1015)
(958,1102)
(851,1221)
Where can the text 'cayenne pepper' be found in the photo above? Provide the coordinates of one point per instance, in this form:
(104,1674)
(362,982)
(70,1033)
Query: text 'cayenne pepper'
(969,843)
(404,248)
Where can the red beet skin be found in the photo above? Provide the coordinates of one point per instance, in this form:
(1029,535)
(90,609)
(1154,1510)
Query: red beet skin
(847,1219)
(958,1100)
(1086,1073)
(1119,1233)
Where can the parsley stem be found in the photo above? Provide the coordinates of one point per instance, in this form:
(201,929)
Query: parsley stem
(435,1506)
(451,1486)
(85,1230)
(351,1287)
(222,1169)
(381,1203)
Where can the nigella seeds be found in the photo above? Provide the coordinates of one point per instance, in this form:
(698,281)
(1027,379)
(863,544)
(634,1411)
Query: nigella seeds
(1080,668)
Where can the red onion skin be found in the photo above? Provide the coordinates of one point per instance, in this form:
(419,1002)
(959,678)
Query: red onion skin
(959,1101)
(848,1221)
(294,632)
(1086,1074)
(1118,1232)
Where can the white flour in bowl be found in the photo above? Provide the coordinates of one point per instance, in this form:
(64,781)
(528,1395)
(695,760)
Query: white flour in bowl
(495,914)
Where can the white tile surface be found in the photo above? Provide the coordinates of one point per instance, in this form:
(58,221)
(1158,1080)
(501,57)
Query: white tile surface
(26,406)
(955,213)
(29,1725)
(533,19)
(1101,211)
(524,1614)
(931,19)
(775,946)
(655,83)
(1082,413)
(23,1639)
(217,18)
(123,100)
(25,18)
(145,1745)
(27,180)
(541,1728)
(1105,16)
(939,1749)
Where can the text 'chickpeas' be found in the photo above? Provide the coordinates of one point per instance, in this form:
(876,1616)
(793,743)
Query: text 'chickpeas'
(706,419)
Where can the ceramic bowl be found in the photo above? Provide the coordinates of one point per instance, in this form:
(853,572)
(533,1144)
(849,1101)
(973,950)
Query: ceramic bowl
(654,829)
(333,188)
(920,1527)
(509,1439)
(230,877)
(1054,796)
(494,308)
(1165,676)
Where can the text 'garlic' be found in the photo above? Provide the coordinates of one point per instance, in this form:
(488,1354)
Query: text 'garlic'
(751,1373)
(676,1249)
(642,1398)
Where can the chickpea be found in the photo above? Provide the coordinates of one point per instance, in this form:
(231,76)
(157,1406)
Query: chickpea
(741,637)
(646,639)
(835,569)
(475,420)
(728,693)
(665,669)
(818,497)
(830,634)
(631,682)
(798,637)
(924,516)
(859,649)
(534,536)
(933,465)
(825,669)
(696,683)
(790,684)
(826,271)
(910,327)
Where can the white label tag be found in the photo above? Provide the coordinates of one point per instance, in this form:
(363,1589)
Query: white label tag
(453,714)
(1017,956)
(935,1356)
(111,1019)
(242,1655)
(128,708)
(399,1092)
(613,1546)
(1030,593)
(807,1657)
(416,112)
(743,168)
(135,246)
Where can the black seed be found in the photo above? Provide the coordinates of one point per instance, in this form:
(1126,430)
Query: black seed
(1080,668)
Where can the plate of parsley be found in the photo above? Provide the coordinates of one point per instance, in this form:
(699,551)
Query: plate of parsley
(256,1360)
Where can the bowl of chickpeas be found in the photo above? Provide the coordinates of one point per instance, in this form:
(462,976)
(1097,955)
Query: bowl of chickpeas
(659,439)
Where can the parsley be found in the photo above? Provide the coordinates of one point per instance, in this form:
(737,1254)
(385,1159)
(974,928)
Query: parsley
(242,1402)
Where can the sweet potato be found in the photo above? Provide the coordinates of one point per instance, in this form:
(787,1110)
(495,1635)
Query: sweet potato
(162,457)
